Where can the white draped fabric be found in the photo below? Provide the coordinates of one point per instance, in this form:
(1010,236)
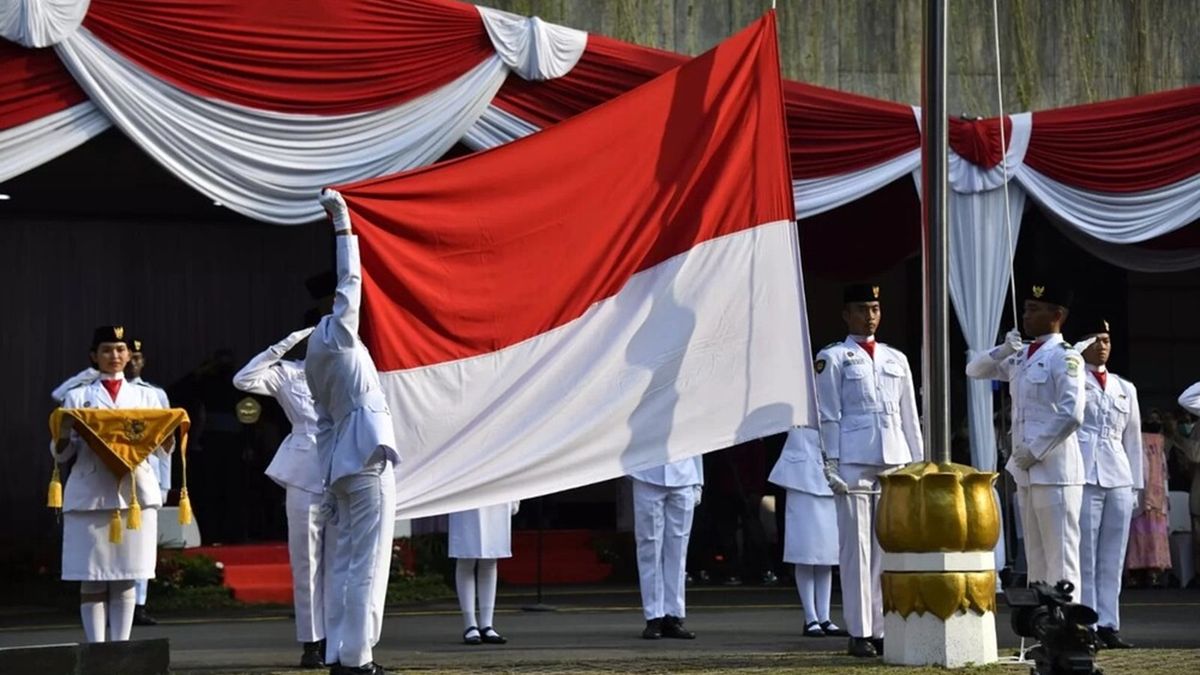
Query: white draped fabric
(265,164)
(818,195)
(35,143)
(534,49)
(40,23)
(1135,258)
(494,128)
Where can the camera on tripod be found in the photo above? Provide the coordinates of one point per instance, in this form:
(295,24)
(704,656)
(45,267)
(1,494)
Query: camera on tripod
(1063,628)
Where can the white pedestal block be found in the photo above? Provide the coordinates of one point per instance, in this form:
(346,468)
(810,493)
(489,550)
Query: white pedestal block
(966,638)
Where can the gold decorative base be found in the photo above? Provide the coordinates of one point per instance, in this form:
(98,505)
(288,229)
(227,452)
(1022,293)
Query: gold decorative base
(940,593)
(931,507)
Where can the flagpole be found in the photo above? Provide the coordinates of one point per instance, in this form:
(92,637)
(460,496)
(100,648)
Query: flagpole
(935,239)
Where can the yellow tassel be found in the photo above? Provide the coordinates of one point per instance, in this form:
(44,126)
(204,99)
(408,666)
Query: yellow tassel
(54,494)
(185,508)
(114,527)
(135,516)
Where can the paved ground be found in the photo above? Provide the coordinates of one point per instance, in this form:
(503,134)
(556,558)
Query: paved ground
(740,629)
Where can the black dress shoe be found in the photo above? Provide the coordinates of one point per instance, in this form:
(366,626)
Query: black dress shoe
(877,643)
(313,656)
(1111,638)
(653,629)
(672,627)
(491,637)
(472,637)
(833,630)
(813,629)
(371,668)
(861,647)
(142,618)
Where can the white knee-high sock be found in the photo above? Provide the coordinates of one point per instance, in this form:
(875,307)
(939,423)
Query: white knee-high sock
(464,581)
(486,582)
(823,587)
(804,585)
(122,598)
(93,610)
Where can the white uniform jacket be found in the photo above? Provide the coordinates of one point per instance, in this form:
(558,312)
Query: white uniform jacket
(800,466)
(867,407)
(1111,436)
(683,473)
(160,460)
(1048,402)
(295,464)
(352,414)
(91,486)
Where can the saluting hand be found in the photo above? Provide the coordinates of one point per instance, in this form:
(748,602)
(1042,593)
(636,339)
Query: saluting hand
(335,206)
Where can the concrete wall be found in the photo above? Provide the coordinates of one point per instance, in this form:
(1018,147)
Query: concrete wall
(1055,52)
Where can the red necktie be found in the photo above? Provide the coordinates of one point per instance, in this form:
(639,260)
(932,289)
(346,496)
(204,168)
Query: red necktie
(869,348)
(1033,349)
(113,386)
(1101,377)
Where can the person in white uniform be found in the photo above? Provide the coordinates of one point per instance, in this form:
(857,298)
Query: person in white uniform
(810,540)
(478,539)
(664,501)
(279,372)
(159,460)
(869,424)
(1110,441)
(356,444)
(107,571)
(1046,380)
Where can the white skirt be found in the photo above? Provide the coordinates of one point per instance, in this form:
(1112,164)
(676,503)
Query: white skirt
(88,555)
(481,533)
(811,533)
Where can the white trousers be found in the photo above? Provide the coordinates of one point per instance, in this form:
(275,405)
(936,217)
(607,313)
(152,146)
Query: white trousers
(1050,519)
(140,588)
(859,556)
(365,520)
(308,548)
(662,525)
(1104,534)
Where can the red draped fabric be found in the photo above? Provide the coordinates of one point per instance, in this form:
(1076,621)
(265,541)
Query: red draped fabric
(978,141)
(829,132)
(33,84)
(1127,145)
(300,57)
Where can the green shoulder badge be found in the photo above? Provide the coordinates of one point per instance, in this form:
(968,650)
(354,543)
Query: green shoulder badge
(820,366)
(1072,365)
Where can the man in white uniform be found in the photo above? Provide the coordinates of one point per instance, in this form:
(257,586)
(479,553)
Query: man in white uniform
(107,570)
(664,500)
(159,460)
(1046,381)
(279,372)
(1111,443)
(357,448)
(869,424)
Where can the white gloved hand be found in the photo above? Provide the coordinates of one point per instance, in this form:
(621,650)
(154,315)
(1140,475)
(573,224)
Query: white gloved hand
(1137,498)
(1013,341)
(697,493)
(514,508)
(335,206)
(1083,344)
(1024,459)
(834,478)
(327,513)
(292,340)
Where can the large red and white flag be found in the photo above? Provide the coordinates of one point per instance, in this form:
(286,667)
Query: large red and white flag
(616,292)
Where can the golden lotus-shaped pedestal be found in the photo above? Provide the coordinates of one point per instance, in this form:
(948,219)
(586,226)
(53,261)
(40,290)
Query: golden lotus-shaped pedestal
(926,507)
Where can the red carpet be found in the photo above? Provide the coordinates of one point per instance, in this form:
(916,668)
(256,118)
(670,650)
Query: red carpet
(260,572)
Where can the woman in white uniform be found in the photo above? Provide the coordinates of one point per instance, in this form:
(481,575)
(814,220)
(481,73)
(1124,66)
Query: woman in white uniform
(811,531)
(106,570)
(478,538)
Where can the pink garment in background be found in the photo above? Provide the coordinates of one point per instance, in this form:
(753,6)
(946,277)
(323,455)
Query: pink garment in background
(1149,542)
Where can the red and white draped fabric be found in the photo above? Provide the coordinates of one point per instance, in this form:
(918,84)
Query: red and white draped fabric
(258,103)
(542,322)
